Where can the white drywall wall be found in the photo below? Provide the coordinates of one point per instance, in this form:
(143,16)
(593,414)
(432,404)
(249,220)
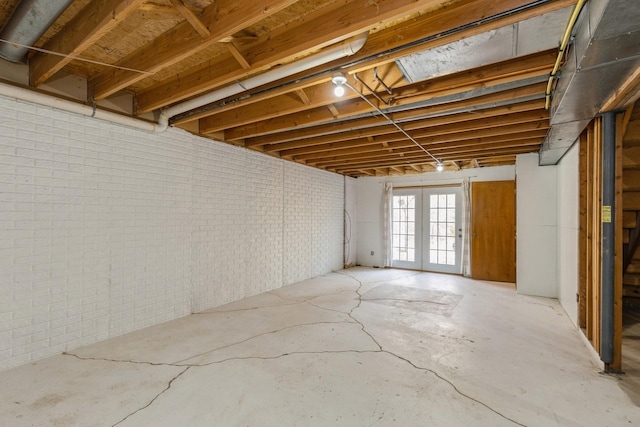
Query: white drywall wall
(536,190)
(568,230)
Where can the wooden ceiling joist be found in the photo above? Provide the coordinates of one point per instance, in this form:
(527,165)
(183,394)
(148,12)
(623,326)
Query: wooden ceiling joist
(191,18)
(427,134)
(372,126)
(424,160)
(318,29)
(87,27)
(165,51)
(403,94)
(358,152)
(223,18)
(454,14)
(458,150)
(356,107)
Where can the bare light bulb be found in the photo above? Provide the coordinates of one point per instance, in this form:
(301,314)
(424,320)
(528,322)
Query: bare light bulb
(439,167)
(338,79)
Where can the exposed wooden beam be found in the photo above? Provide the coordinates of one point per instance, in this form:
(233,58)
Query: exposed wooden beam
(416,160)
(191,18)
(334,111)
(454,14)
(303,96)
(625,95)
(87,27)
(224,18)
(404,93)
(428,136)
(238,55)
(315,30)
(446,151)
(373,126)
(354,107)
(156,7)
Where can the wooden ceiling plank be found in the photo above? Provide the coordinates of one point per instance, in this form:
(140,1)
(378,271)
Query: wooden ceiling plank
(223,18)
(430,135)
(191,18)
(315,30)
(403,144)
(454,14)
(441,152)
(322,94)
(354,107)
(372,126)
(156,7)
(94,21)
(416,161)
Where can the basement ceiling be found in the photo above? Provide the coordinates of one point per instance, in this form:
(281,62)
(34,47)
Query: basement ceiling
(466,79)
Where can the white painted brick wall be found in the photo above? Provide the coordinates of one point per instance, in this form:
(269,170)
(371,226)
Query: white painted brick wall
(313,236)
(105,229)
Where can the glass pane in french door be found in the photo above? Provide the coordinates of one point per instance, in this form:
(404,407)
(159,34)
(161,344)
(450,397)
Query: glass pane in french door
(406,211)
(443,234)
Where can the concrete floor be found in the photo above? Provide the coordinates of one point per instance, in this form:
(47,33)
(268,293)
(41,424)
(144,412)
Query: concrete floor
(359,347)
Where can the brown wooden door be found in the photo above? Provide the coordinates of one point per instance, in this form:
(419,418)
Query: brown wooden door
(493,231)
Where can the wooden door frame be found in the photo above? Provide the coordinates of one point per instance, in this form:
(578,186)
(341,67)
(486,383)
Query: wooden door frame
(590,240)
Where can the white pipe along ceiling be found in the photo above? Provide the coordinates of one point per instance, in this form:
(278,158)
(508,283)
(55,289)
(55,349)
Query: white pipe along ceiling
(340,50)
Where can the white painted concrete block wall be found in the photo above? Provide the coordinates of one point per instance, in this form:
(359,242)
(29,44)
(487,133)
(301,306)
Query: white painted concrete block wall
(105,230)
(351,221)
(314,203)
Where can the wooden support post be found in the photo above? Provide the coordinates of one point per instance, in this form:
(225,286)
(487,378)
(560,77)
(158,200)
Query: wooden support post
(583,241)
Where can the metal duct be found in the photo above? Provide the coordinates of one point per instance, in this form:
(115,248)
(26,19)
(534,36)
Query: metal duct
(604,53)
(28,22)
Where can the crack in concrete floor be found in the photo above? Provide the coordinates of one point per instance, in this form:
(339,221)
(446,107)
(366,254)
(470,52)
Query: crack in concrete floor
(154,398)
(350,313)
(433,372)
(350,307)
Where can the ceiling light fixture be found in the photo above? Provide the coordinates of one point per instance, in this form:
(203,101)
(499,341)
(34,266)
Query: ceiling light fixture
(340,81)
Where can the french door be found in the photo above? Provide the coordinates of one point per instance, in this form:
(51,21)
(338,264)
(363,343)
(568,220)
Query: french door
(426,229)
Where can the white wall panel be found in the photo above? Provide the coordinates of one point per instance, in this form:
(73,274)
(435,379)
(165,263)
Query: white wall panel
(568,231)
(536,189)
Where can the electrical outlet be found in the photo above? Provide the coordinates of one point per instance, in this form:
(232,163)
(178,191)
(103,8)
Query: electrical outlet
(371,253)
